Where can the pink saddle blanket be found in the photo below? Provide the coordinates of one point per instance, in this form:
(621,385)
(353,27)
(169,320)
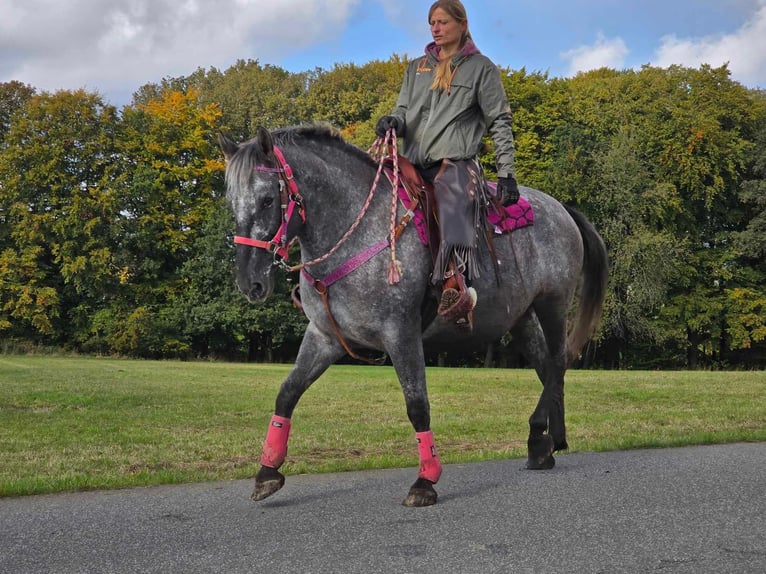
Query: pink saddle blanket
(515,216)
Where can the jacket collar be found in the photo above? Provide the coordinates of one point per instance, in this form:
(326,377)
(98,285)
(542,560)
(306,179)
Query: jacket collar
(468,49)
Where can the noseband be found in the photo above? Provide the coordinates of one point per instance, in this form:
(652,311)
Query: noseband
(289,200)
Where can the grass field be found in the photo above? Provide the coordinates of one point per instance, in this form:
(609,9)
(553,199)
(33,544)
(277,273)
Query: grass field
(83,423)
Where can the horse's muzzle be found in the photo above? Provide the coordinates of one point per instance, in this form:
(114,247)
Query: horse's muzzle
(256,291)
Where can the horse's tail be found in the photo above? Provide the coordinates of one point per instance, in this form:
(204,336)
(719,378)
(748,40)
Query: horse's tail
(593,289)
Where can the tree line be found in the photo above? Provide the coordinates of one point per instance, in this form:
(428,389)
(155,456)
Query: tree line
(115,238)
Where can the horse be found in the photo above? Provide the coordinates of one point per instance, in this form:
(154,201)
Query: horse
(307,184)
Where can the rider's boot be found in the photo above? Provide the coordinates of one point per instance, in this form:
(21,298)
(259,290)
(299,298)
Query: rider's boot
(457,300)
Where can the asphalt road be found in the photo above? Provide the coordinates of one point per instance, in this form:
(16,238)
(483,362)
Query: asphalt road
(687,510)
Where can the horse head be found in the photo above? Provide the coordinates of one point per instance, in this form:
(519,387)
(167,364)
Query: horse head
(253,191)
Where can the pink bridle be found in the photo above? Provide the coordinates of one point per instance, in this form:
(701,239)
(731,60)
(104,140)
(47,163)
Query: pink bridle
(290,200)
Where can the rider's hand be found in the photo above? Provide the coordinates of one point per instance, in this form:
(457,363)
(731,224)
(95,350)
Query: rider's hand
(507,190)
(386,123)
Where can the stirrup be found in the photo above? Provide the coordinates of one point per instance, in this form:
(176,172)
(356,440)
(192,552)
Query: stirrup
(466,323)
(456,304)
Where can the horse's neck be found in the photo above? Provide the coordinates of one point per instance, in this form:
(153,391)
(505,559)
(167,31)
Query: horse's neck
(335,191)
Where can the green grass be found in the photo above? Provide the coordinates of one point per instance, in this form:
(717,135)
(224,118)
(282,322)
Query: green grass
(82,423)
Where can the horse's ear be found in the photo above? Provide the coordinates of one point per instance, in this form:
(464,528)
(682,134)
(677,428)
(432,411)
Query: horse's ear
(228,146)
(264,141)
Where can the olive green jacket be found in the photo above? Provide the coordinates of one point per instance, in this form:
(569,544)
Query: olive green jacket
(438,124)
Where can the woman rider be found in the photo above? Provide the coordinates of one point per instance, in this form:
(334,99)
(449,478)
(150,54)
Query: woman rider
(449,99)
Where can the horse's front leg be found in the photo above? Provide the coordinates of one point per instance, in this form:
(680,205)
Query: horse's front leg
(409,363)
(316,354)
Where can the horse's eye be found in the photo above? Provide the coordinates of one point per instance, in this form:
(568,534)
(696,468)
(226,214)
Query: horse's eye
(268,202)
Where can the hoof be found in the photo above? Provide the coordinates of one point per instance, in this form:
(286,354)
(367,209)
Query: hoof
(540,453)
(544,463)
(421,493)
(562,445)
(267,482)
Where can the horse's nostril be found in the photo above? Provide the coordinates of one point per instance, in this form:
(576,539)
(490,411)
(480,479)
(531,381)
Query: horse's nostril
(255,293)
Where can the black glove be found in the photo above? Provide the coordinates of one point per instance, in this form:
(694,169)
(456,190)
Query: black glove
(386,123)
(507,190)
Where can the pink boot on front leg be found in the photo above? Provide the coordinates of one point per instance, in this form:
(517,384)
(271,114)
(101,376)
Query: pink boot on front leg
(269,480)
(422,493)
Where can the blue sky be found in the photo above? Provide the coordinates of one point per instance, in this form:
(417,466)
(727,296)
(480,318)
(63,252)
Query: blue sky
(115,46)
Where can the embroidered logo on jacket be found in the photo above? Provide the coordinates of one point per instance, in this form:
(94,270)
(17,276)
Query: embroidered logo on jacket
(423,66)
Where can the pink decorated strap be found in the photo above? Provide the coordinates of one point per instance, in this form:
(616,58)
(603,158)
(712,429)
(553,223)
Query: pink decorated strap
(418,218)
(275,447)
(355,262)
(286,170)
(430,467)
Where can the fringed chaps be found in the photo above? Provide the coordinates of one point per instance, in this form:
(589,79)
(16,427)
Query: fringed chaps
(457,188)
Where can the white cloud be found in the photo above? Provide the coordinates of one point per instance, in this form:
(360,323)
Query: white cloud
(605,53)
(106,45)
(408,15)
(744,50)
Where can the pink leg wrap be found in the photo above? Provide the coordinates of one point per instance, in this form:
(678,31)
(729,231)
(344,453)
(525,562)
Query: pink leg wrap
(275,447)
(430,467)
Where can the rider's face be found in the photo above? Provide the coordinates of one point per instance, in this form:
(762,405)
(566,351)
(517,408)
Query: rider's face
(446,31)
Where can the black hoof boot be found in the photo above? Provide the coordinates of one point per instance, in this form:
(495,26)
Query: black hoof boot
(421,493)
(267,482)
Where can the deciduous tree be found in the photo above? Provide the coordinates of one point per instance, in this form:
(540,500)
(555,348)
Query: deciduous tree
(57,165)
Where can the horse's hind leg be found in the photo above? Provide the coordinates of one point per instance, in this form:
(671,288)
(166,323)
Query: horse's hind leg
(316,354)
(545,349)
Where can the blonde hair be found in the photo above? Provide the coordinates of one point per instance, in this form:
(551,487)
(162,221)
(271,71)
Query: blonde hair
(444,73)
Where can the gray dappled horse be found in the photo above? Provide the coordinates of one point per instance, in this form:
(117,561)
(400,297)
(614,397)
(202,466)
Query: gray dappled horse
(351,304)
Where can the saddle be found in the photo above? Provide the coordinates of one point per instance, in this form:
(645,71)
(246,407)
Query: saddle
(418,196)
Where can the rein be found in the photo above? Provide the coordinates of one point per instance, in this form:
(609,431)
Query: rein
(291,200)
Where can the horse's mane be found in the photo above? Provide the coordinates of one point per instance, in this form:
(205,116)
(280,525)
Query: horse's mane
(320,133)
(241,165)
